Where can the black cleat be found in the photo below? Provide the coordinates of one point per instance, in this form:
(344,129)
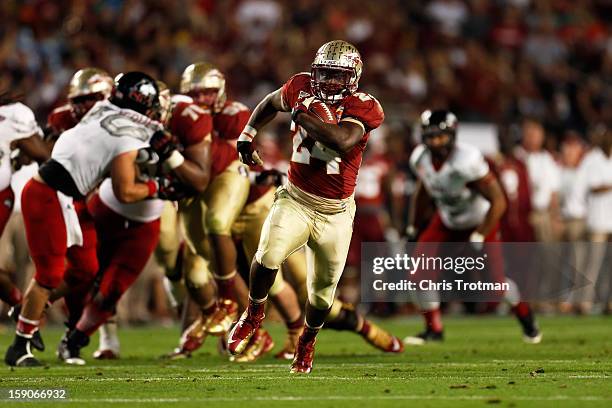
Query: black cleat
(69,349)
(426,336)
(531,331)
(19,354)
(36,341)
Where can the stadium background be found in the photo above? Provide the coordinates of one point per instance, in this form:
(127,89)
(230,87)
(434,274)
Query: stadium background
(492,62)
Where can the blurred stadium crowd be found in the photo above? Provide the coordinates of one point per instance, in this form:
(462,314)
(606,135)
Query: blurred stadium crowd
(541,70)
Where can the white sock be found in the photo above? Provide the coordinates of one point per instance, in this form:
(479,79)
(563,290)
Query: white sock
(108,336)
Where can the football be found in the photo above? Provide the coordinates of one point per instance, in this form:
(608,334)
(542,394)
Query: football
(322,111)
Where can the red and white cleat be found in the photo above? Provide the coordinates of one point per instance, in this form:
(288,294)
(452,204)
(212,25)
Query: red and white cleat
(241,333)
(304,354)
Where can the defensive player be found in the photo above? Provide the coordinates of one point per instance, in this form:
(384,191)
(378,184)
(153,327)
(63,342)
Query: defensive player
(53,206)
(18,131)
(316,207)
(470,204)
(127,235)
(86,87)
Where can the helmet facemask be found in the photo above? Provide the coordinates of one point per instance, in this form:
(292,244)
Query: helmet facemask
(208,97)
(335,71)
(205,84)
(439,131)
(331,85)
(88,86)
(83,103)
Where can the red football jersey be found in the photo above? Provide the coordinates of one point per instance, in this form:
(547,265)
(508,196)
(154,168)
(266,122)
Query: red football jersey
(229,123)
(370,188)
(514,179)
(191,123)
(315,168)
(61,119)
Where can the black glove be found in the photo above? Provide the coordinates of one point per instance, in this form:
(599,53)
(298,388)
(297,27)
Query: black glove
(271,177)
(247,153)
(163,143)
(171,189)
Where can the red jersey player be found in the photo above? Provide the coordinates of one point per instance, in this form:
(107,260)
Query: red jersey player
(87,86)
(229,188)
(331,123)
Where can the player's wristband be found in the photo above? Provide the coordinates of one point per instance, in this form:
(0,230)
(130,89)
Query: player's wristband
(248,134)
(174,161)
(152,187)
(477,237)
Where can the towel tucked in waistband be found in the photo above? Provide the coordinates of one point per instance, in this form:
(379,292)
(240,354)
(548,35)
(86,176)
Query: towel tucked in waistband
(316,203)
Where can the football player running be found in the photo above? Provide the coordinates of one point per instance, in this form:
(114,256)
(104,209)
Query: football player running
(469,202)
(316,207)
(53,202)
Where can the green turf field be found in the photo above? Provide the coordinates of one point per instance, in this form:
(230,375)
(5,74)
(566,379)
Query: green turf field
(482,363)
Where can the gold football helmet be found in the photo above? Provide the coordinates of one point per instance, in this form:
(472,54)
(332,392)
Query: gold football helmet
(205,84)
(335,71)
(88,81)
(165,102)
(87,86)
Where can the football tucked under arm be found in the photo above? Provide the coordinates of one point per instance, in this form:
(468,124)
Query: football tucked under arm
(321,124)
(322,111)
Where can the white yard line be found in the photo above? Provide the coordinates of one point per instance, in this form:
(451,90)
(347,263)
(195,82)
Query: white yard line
(341,398)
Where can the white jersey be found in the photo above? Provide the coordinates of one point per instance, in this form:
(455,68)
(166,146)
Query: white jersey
(87,150)
(544,177)
(460,206)
(17,121)
(140,211)
(596,171)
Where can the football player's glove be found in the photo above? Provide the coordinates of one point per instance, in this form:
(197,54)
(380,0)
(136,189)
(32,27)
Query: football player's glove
(171,189)
(19,159)
(411,233)
(246,149)
(477,241)
(270,177)
(163,143)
